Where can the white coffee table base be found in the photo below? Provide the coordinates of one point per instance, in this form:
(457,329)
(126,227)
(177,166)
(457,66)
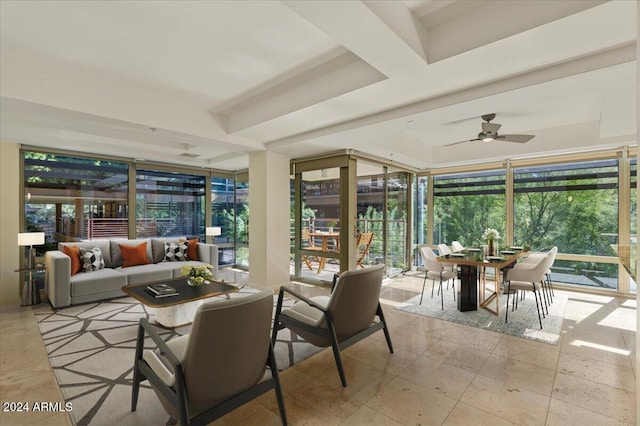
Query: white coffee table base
(177,315)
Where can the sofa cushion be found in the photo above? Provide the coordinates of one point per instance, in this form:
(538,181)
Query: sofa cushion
(175,252)
(134,255)
(92,259)
(144,273)
(157,247)
(102,244)
(74,254)
(116,253)
(192,249)
(99,281)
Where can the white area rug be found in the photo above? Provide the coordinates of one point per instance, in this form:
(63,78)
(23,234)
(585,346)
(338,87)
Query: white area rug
(523,322)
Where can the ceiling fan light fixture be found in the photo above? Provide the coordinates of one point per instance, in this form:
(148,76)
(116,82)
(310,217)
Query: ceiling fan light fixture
(485,137)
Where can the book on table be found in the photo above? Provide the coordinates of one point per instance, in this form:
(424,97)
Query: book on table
(161,290)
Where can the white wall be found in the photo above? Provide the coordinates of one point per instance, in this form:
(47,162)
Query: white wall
(9,221)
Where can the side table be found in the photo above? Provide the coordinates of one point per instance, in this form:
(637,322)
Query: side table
(30,292)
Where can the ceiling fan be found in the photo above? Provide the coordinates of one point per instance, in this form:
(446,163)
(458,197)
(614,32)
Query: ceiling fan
(489,133)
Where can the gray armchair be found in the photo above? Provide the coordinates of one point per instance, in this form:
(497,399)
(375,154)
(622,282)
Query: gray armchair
(216,368)
(339,320)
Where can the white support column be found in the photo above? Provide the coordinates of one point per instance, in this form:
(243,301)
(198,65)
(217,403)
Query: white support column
(268,219)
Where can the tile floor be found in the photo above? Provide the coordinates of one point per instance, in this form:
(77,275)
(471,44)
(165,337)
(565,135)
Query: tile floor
(440,374)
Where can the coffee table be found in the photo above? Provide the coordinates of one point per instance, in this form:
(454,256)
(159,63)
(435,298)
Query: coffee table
(174,311)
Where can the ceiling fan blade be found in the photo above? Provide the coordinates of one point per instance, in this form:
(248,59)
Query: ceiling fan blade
(516,138)
(490,127)
(456,143)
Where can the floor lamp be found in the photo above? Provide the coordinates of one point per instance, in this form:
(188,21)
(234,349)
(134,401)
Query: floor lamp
(30,292)
(213,232)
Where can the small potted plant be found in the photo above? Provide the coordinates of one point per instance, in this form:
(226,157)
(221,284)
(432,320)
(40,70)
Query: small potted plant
(197,275)
(331,224)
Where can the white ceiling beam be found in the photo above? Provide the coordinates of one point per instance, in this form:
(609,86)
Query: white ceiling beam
(354,25)
(463,26)
(607,58)
(38,79)
(336,76)
(397,16)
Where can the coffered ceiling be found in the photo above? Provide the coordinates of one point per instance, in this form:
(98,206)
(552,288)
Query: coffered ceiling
(206,82)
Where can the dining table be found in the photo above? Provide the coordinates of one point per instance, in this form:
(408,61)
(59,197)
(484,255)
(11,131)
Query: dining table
(326,237)
(473,264)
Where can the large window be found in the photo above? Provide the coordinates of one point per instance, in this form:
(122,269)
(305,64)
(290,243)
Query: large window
(223,216)
(241,224)
(74,198)
(169,204)
(465,204)
(421,210)
(382,209)
(573,206)
(320,223)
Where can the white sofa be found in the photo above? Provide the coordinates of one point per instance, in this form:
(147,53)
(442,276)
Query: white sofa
(64,289)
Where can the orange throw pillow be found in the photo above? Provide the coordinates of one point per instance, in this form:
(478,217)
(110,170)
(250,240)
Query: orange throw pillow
(134,255)
(74,253)
(192,249)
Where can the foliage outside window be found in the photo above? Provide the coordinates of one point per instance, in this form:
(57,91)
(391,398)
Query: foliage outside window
(573,206)
(465,204)
(223,215)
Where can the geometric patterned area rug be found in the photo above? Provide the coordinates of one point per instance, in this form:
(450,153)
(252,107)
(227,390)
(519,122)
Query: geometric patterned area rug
(523,322)
(91,348)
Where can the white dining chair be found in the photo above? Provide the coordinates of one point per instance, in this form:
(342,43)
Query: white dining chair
(444,249)
(534,257)
(528,277)
(435,271)
(456,246)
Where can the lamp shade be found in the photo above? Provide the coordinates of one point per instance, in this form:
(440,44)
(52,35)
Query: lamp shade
(30,238)
(213,231)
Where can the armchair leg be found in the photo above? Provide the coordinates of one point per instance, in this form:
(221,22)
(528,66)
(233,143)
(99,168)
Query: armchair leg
(276,318)
(277,388)
(336,351)
(385,328)
(137,375)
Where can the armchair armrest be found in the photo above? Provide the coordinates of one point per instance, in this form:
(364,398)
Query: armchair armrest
(301,297)
(162,346)
(166,373)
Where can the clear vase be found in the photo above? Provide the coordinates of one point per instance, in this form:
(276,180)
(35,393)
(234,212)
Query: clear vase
(192,282)
(492,250)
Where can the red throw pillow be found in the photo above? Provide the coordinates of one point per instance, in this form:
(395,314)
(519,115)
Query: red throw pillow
(192,249)
(74,253)
(134,255)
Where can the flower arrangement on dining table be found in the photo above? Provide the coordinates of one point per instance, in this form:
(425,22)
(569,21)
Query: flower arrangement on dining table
(197,275)
(490,235)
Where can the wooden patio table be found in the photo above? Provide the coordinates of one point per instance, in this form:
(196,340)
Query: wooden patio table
(326,236)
